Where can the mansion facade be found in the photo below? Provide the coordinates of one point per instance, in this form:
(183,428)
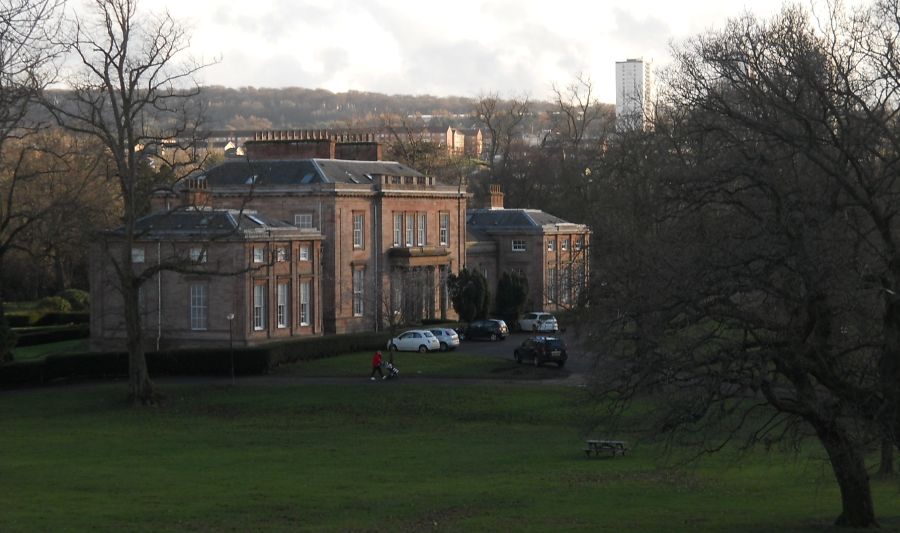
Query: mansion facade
(310,237)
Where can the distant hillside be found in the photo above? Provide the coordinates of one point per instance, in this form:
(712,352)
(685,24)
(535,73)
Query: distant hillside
(294,107)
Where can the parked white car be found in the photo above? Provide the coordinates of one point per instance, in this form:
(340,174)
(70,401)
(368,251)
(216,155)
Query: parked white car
(447,338)
(415,340)
(538,322)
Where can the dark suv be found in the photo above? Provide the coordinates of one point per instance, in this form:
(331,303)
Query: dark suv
(542,349)
(491,329)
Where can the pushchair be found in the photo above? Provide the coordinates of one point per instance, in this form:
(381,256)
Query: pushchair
(390,371)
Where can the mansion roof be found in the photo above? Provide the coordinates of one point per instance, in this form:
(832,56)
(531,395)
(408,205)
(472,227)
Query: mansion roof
(292,172)
(518,220)
(208,223)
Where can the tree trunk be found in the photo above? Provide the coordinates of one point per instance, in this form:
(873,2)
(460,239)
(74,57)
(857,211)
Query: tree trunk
(887,457)
(857,509)
(141,391)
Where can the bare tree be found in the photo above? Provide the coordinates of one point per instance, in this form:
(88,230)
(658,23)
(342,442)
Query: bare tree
(27,53)
(761,294)
(133,92)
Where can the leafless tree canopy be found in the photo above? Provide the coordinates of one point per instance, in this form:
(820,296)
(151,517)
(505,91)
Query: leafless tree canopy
(131,91)
(755,279)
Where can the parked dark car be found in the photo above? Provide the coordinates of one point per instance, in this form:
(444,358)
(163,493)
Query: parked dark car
(491,329)
(540,350)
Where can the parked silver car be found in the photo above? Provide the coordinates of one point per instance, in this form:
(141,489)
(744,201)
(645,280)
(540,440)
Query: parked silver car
(538,322)
(448,338)
(415,340)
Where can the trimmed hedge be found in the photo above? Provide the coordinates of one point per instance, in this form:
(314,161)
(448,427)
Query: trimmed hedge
(56,334)
(57,318)
(206,361)
(27,319)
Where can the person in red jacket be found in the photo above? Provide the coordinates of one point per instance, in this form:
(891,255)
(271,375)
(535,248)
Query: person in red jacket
(376,366)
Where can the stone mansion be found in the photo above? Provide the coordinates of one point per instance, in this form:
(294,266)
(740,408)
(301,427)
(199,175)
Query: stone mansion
(322,237)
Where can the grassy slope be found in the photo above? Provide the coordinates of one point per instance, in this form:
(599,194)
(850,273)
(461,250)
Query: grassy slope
(378,457)
(42,350)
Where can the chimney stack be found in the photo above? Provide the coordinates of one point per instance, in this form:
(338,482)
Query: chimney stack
(496,197)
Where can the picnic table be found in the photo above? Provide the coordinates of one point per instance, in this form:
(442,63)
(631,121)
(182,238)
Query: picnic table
(596,447)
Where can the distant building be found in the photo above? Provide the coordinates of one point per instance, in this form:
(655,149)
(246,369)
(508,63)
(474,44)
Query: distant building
(634,94)
(549,252)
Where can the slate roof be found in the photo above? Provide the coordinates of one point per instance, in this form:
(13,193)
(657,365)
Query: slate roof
(511,219)
(294,172)
(206,223)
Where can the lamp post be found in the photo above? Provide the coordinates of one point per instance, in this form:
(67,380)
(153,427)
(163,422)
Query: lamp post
(230,317)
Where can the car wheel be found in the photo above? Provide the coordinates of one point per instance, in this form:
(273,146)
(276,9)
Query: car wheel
(393,348)
(518,358)
(443,346)
(561,364)
(423,349)
(493,336)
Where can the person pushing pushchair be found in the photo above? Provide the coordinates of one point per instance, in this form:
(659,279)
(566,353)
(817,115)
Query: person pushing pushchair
(380,365)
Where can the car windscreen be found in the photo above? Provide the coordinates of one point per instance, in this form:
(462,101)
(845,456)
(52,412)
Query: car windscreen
(556,344)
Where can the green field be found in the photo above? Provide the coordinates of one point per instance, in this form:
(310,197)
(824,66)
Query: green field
(393,456)
(37,351)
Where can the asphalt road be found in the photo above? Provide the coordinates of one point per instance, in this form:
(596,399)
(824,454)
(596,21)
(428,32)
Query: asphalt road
(579,364)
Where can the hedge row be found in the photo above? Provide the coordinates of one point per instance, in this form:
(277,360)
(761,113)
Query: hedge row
(247,361)
(26,319)
(57,334)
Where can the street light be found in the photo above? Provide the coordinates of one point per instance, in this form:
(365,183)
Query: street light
(230,317)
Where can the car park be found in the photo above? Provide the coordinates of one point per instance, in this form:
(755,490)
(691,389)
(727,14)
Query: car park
(491,329)
(542,349)
(415,340)
(537,321)
(447,338)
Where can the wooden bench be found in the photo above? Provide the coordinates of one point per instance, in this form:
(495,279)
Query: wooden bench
(596,447)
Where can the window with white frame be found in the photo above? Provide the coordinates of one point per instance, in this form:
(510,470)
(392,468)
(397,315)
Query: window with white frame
(398,229)
(358,291)
(304,303)
(282,310)
(551,245)
(198,255)
(304,252)
(303,220)
(410,229)
(518,245)
(579,242)
(259,307)
(259,254)
(565,244)
(199,306)
(551,284)
(137,255)
(358,222)
(281,254)
(422,227)
(444,229)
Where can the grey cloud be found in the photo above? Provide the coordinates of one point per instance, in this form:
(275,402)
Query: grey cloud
(639,34)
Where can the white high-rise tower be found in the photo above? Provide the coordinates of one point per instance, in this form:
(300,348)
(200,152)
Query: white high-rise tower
(634,94)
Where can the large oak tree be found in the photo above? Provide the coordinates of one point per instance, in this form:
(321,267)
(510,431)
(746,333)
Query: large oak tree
(757,280)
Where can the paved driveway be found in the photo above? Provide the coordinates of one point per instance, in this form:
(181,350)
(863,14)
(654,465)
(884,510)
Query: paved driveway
(579,364)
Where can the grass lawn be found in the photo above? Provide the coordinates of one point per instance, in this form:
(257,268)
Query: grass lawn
(42,350)
(396,456)
(455,364)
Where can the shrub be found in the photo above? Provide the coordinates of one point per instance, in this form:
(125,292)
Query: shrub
(77,298)
(55,303)
(7,340)
(62,319)
(22,319)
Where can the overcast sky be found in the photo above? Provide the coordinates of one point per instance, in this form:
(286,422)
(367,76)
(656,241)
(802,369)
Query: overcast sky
(461,47)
